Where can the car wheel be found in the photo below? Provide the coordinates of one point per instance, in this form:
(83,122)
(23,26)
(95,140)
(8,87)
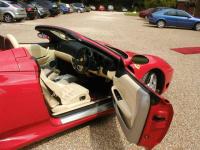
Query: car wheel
(79,11)
(161,24)
(8,18)
(19,20)
(38,15)
(151,80)
(197,27)
(146,18)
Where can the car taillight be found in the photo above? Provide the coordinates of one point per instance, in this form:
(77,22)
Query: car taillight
(29,9)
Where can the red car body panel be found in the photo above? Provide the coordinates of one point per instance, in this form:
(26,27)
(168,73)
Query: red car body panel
(154,63)
(27,120)
(20,90)
(157,124)
(146,12)
(101,8)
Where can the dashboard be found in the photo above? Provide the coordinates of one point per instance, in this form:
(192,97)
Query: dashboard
(98,60)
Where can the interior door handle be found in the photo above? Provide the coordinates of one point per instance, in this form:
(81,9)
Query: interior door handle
(123,106)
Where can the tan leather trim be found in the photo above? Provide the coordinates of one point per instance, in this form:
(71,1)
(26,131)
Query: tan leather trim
(71,95)
(63,56)
(132,108)
(12,40)
(51,101)
(110,74)
(129,102)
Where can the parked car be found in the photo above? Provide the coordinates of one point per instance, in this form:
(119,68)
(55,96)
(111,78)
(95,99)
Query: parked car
(174,17)
(147,12)
(87,9)
(92,7)
(63,8)
(1,16)
(124,9)
(73,79)
(51,6)
(71,10)
(12,11)
(30,10)
(78,7)
(110,8)
(101,8)
(41,11)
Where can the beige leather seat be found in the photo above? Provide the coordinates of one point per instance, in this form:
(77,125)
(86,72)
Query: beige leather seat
(11,42)
(69,95)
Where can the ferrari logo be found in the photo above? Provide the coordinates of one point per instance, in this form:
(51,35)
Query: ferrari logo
(137,66)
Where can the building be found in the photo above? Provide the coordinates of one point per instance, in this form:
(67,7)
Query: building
(189,6)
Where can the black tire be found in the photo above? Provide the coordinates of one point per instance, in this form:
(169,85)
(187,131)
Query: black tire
(38,15)
(19,20)
(151,80)
(161,24)
(197,27)
(8,18)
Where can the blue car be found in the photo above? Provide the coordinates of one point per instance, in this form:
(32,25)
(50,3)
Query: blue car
(174,17)
(63,8)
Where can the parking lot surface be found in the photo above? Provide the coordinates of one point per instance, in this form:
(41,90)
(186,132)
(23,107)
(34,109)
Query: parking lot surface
(129,33)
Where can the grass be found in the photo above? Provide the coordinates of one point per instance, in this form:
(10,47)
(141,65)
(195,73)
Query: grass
(131,13)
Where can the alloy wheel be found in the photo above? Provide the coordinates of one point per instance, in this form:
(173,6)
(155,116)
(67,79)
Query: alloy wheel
(161,24)
(8,18)
(151,80)
(197,27)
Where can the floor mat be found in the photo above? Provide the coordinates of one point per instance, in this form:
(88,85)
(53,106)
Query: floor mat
(187,50)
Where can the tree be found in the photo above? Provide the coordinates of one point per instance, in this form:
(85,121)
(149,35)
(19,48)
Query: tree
(161,3)
(197,8)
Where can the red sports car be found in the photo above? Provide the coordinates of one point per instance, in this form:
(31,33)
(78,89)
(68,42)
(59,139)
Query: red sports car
(50,87)
(145,13)
(101,8)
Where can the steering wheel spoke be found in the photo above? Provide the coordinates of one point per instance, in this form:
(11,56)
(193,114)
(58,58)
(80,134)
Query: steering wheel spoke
(81,61)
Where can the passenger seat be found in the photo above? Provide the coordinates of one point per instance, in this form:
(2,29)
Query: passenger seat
(66,94)
(54,76)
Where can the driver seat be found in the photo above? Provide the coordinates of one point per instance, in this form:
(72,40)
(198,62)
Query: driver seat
(11,42)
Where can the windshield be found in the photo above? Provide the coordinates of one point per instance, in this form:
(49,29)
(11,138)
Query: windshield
(15,4)
(78,5)
(60,35)
(119,52)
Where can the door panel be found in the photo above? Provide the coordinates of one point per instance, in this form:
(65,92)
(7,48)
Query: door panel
(132,105)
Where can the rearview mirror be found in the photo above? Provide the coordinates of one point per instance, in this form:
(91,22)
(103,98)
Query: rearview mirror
(43,36)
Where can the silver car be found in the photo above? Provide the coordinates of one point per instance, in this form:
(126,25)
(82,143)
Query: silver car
(12,11)
(1,17)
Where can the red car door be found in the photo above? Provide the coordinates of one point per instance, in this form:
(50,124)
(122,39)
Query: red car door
(143,115)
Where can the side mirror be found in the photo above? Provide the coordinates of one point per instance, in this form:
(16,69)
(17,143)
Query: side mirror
(43,36)
(140,59)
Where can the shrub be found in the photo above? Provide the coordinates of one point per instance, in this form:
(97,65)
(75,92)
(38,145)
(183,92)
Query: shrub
(157,3)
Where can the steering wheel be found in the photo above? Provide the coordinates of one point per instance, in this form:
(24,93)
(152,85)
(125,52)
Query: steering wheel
(81,62)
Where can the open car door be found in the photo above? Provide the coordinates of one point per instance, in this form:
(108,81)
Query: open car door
(143,115)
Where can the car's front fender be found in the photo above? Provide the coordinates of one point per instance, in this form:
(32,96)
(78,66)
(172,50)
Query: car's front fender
(155,64)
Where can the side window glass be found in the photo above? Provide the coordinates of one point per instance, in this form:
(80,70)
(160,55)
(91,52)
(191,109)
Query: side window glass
(182,14)
(3,4)
(171,13)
